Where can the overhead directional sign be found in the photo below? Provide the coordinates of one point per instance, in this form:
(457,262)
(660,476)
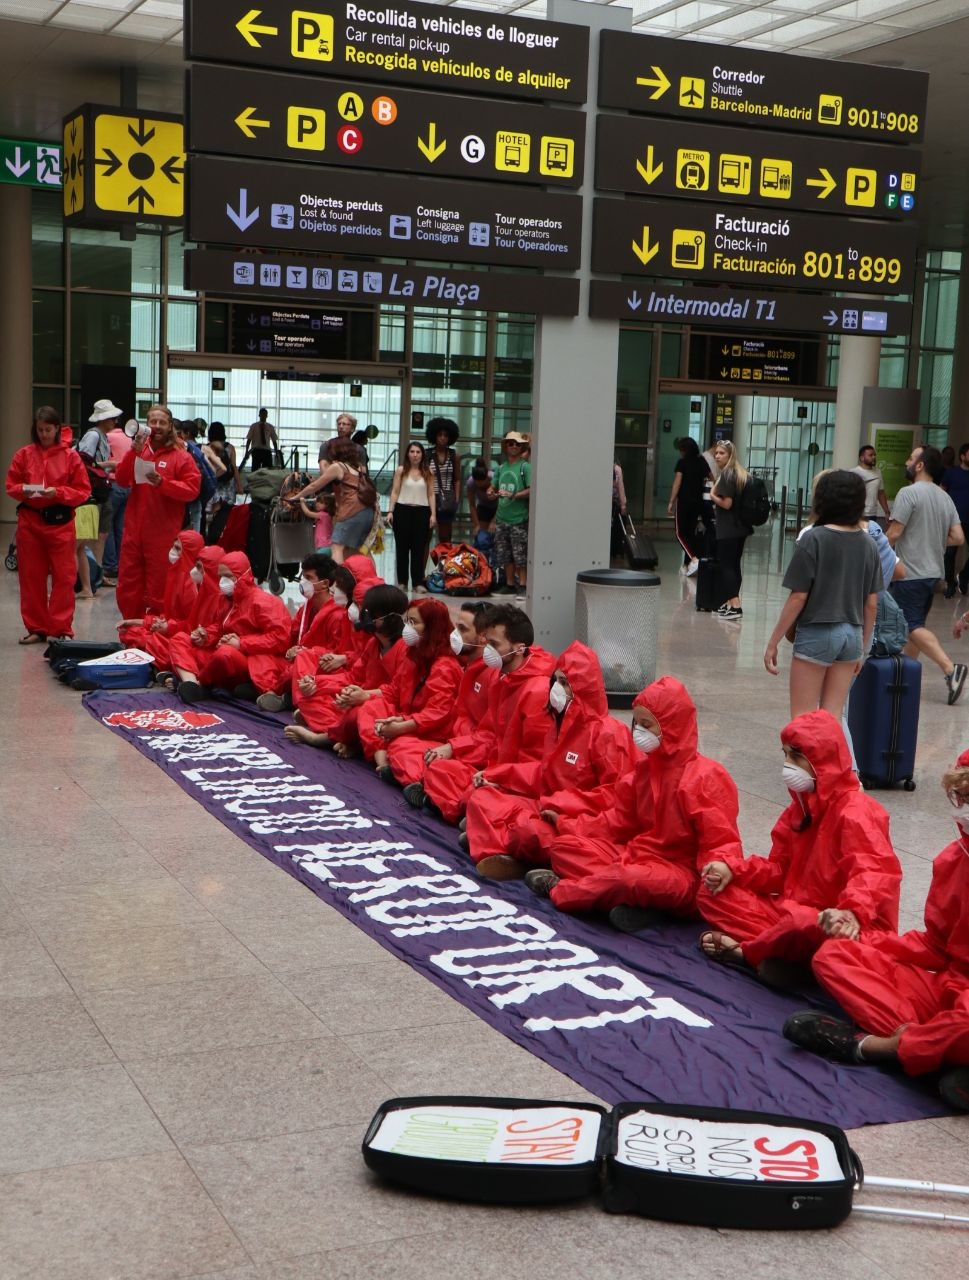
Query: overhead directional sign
(729,308)
(326,280)
(397,43)
(733,85)
(776,361)
(123,167)
(287,331)
(30,164)
(296,207)
(704,242)
(339,122)
(788,171)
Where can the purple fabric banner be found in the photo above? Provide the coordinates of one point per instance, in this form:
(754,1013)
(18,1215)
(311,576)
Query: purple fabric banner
(627,1018)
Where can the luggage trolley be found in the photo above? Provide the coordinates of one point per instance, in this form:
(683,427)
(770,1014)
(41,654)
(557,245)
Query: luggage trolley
(290,541)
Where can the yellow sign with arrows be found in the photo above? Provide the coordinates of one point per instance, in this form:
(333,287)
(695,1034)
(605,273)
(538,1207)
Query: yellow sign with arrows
(123,167)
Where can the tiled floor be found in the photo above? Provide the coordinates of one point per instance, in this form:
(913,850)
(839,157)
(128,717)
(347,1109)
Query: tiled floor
(191,1043)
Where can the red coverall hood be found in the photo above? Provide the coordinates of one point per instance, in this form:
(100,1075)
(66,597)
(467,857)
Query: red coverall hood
(820,738)
(210,603)
(180,593)
(238,563)
(191,544)
(673,707)
(583,672)
(363,570)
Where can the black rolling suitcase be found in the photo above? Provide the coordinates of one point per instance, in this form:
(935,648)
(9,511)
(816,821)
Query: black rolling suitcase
(722,1168)
(639,549)
(80,650)
(710,591)
(883,719)
(258,546)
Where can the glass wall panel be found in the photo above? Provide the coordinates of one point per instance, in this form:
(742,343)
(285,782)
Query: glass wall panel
(49,336)
(47,238)
(635,369)
(100,331)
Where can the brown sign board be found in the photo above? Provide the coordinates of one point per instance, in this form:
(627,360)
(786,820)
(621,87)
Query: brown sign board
(695,80)
(398,43)
(233,111)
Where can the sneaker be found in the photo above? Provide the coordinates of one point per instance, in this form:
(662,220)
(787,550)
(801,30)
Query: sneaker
(386,774)
(950,591)
(683,570)
(463,843)
(271,701)
(826,1036)
(504,590)
(541,881)
(692,567)
(629,919)
(414,795)
(729,613)
(955,680)
(501,866)
(954,1088)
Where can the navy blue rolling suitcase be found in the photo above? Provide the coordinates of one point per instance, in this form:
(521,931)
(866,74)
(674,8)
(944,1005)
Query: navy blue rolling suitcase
(710,591)
(883,718)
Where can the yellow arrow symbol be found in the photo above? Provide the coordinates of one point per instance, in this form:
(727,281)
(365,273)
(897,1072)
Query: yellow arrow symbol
(643,252)
(248,123)
(248,30)
(659,83)
(430,148)
(825,182)
(650,172)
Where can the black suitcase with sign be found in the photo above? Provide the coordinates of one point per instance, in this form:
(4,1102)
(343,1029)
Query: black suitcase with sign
(639,549)
(80,650)
(489,1150)
(721,1168)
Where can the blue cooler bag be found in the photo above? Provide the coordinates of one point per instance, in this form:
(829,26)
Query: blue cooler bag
(127,669)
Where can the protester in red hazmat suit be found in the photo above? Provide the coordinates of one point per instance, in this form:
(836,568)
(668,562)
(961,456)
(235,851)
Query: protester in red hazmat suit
(908,996)
(320,626)
(204,623)
(517,810)
(255,623)
(831,871)
(162,477)
(328,720)
(410,758)
(671,813)
(151,633)
(47,480)
(514,728)
(419,701)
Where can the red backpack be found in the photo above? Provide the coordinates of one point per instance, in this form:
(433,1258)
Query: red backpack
(463,569)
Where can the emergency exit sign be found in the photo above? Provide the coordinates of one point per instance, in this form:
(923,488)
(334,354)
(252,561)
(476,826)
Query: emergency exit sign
(30,164)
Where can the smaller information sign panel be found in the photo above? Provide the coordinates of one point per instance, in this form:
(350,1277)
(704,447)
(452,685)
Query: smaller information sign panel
(775,361)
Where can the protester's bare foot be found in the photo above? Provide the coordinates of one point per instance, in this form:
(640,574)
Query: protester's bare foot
(84,595)
(722,948)
(299,733)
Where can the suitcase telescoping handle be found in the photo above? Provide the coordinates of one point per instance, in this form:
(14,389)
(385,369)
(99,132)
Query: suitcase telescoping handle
(912,1184)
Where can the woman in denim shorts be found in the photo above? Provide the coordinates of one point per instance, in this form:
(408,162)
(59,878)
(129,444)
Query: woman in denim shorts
(834,579)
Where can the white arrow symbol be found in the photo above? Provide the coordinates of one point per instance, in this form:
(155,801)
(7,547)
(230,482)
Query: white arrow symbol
(634,300)
(241,216)
(16,166)
(831,317)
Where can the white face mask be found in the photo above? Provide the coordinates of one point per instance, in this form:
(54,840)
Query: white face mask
(410,635)
(196,575)
(457,643)
(174,556)
(492,658)
(307,588)
(339,597)
(353,613)
(227,586)
(797,779)
(645,739)
(558,699)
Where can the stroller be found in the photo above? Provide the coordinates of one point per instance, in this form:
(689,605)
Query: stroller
(10,560)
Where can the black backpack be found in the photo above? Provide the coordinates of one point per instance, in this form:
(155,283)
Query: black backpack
(752,502)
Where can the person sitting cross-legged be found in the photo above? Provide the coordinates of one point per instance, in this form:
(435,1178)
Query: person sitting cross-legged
(831,871)
(908,996)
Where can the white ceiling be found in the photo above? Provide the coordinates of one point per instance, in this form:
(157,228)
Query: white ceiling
(56,54)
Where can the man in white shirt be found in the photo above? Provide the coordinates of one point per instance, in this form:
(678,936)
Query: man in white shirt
(874,486)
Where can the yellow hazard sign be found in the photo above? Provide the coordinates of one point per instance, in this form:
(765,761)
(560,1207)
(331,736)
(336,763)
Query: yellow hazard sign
(139,166)
(74,162)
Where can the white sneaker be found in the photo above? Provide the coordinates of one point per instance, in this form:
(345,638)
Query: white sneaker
(692,567)
(684,570)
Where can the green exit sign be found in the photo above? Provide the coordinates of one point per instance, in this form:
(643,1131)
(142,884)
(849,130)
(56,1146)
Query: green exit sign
(31,164)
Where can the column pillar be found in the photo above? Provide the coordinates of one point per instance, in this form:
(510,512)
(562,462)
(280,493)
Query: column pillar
(857,369)
(573,419)
(16,331)
(959,394)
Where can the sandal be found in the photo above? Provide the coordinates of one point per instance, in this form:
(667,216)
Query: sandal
(32,637)
(722,948)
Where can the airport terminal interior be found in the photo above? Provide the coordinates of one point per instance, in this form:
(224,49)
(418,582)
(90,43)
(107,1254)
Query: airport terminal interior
(191,1042)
